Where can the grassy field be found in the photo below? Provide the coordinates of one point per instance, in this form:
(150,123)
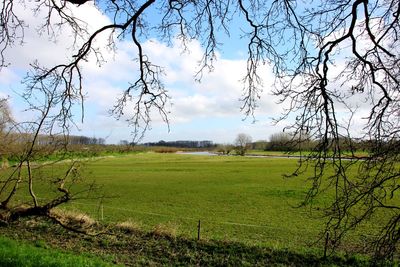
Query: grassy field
(235,198)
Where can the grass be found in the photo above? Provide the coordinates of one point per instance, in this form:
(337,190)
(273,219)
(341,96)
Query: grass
(273,153)
(138,248)
(21,254)
(348,154)
(237,199)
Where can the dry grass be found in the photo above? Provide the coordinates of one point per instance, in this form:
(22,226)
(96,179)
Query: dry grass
(4,164)
(170,229)
(129,226)
(73,218)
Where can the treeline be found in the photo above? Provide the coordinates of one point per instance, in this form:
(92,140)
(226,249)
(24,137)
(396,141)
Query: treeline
(288,143)
(181,144)
(14,146)
(84,140)
(43,140)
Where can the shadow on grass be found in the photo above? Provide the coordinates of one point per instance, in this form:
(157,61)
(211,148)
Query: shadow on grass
(135,247)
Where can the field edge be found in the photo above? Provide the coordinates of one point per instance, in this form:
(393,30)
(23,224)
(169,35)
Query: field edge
(134,247)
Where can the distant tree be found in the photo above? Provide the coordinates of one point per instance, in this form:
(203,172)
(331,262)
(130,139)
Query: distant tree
(5,116)
(259,145)
(6,122)
(225,149)
(242,143)
(123,142)
(281,142)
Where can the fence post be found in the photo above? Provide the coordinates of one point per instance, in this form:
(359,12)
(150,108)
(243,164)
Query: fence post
(198,230)
(102,212)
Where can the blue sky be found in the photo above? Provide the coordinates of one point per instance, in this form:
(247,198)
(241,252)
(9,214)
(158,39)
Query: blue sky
(209,110)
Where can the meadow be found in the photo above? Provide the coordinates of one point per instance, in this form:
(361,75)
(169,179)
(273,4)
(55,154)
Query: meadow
(240,199)
(245,200)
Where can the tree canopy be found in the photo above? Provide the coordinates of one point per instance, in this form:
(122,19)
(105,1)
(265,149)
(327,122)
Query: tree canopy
(242,143)
(336,65)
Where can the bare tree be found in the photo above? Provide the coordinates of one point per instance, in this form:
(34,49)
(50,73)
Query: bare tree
(27,172)
(5,116)
(242,143)
(345,86)
(336,64)
(6,122)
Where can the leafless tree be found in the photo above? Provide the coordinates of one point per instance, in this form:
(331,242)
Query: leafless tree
(5,115)
(242,143)
(347,64)
(333,60)
(18,182)
(6,122)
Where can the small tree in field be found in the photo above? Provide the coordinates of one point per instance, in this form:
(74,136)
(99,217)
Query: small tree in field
(242,143)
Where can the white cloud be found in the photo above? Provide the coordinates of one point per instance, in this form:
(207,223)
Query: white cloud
(216,97)
(218,92)
(43,46)
(8,77)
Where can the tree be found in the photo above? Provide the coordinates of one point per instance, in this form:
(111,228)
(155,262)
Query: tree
(242,143)
(6,122)
(280,142)
(337,73)
(123,142)
(288,142)
(5,116)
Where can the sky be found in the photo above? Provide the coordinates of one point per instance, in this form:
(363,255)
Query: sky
(206,110)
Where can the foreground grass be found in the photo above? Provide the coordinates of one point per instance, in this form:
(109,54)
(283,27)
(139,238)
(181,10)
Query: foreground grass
(22,254)
(131,247)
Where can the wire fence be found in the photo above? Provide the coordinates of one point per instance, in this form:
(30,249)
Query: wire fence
(207,227)
(269,231)
(99,207)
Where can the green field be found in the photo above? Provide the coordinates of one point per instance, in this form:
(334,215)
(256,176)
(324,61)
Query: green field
(235,198)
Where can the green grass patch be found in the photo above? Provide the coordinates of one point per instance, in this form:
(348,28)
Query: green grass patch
(345,154)
(21,254)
